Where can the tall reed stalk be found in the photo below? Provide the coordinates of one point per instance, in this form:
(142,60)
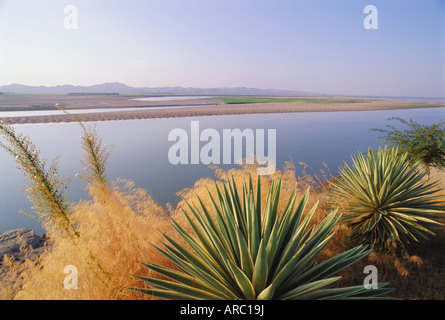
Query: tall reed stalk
(45,188)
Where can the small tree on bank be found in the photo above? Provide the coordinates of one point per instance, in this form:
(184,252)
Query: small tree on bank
(422,143)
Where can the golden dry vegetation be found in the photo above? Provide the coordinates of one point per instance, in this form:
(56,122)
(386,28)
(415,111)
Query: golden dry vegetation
(121,224)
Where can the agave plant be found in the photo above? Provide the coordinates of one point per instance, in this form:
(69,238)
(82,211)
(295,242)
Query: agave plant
(389,203)
(245,251)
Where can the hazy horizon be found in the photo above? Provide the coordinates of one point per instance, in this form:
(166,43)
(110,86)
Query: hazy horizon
(312,46)
(315,94)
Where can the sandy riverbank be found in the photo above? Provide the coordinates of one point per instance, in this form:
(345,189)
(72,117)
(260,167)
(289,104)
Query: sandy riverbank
(208,108)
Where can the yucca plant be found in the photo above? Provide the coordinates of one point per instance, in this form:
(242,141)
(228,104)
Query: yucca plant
(389,203)
(245,251)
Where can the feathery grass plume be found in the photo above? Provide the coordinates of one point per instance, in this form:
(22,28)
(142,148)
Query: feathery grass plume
(45,188)
(316,179)
(118,227)
(96,157)
(387,201)
(108,242)
(249,251)
(96,153)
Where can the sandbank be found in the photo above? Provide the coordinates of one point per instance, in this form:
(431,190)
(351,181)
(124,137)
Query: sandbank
(197,108)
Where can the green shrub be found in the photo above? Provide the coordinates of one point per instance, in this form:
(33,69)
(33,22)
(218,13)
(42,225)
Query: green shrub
(422,143)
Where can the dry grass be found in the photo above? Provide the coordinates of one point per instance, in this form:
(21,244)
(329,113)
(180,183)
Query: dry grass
(117,229)
(120,225)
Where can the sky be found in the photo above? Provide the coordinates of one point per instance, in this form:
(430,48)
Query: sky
(318,46)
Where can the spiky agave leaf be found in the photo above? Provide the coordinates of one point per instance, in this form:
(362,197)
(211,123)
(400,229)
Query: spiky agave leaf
(246,252)
(388,200)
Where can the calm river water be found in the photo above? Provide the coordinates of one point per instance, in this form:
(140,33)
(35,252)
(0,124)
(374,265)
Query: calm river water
(141,150)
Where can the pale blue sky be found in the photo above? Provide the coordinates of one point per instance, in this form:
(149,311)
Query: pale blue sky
(307,45)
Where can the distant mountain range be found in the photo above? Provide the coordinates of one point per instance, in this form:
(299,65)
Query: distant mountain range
(120,88)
